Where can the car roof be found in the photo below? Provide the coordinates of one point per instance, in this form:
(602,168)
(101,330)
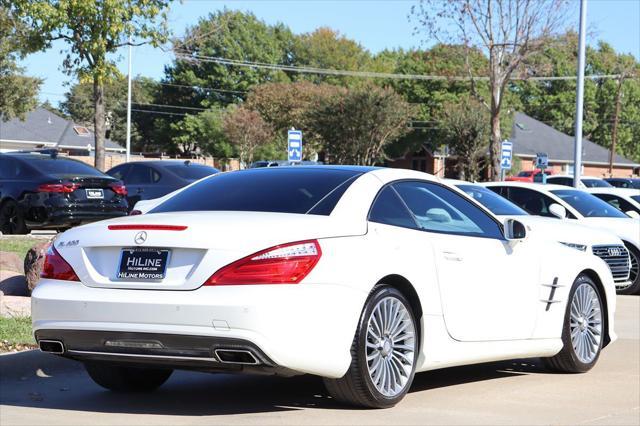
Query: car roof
(536,186)
(168,163)
(614,190)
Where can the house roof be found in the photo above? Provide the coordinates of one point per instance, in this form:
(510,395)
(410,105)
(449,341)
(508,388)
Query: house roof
(43,127)
(530,136)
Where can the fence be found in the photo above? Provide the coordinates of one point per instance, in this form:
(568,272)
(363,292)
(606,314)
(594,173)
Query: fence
(112,160)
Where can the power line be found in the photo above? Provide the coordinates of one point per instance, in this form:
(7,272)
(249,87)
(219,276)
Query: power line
(190,56)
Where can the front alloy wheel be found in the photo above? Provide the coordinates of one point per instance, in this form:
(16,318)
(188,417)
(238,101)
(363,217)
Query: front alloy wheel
(384,353)
(583,329)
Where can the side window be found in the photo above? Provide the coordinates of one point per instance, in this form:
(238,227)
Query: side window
(139,175)
(119,172)
(532,201)
(617,202)
(389,209)
(439,209)
(7,168)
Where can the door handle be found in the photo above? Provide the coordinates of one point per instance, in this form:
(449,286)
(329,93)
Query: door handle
(140,190)
(449,255)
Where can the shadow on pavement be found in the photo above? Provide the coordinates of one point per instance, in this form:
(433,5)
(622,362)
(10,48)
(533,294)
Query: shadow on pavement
(39,382)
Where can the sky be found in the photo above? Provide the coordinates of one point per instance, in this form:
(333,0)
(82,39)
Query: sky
(376,25)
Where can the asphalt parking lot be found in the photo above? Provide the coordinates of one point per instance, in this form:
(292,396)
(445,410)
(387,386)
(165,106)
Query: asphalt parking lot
(41,389)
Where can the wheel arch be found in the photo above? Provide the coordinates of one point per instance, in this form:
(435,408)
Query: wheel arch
(406,288)
(593,275)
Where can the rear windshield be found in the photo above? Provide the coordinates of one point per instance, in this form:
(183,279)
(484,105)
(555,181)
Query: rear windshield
(192,171)
(280,190)
(636,197)
(62,167)
(588,205)
(496,204)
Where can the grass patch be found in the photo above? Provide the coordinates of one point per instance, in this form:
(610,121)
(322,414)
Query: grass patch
(18,245)
(16,334)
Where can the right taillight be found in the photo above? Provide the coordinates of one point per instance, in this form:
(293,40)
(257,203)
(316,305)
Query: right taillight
(56,268)
(283,264)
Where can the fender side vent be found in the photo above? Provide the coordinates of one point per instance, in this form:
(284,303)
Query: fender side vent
(552,293)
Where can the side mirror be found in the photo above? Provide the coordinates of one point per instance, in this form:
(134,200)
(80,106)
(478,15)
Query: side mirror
(514,230)
(634,214)
(558,211)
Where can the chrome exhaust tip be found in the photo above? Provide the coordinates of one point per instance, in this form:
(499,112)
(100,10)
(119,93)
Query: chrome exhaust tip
(236,356)
(51,346)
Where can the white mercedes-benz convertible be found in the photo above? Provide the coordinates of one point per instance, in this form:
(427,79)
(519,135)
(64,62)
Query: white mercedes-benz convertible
(363,276)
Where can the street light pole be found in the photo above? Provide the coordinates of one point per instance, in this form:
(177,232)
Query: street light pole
(128,156)
(577,154)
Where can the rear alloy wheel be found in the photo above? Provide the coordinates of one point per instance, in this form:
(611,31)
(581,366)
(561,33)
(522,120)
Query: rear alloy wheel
(634,273)
(583,329)
(126,379)
(383,353)
(11,220)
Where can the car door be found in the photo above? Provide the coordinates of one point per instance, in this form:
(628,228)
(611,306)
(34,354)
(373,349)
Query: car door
(488,286)
(138,181)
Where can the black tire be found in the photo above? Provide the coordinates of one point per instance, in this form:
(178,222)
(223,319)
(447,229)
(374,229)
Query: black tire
(356,387)
(118,378)
(634,288)
(567,360)
(11,219)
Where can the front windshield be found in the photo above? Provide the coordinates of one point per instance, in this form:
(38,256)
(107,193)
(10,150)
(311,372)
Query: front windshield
(588,205)
(596,183)
(496,204)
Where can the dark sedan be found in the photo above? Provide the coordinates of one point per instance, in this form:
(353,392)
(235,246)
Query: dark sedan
(46,191)
(146,180)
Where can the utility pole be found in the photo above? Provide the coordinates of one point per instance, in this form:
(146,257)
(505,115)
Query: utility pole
(616,118)
(128,156)
(577,153)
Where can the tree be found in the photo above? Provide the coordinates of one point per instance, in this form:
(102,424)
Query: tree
(326,48)
(357,126)
(507,31)
(78,104)
(18,93)
(247,131)
(287,105)
(202,134)
(465,129)
(95,29)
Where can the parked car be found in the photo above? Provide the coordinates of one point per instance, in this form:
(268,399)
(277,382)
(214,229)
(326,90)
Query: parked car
(626,200)
(573,204)
(585,181)
(42,190)
(362,276)
(624,182)
(574,235)
(152,179)
(528,175)
(279,163)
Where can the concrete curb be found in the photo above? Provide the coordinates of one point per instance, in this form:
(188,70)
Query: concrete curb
(27,364)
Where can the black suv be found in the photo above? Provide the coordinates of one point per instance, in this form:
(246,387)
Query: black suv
(45,191)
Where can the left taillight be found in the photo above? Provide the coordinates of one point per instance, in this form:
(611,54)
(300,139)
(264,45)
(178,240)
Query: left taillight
(56,268)
(283,264)
(119,189)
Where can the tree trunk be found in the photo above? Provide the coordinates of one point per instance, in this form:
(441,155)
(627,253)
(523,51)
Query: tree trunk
(99,123)
(496,141)
(614,131)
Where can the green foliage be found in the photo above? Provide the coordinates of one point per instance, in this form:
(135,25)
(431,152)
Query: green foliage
(78,105)
(18,93)
(287,105)
(326,48)
(465,127)
(15,331)
(202,134)
(357,126)
(247,131)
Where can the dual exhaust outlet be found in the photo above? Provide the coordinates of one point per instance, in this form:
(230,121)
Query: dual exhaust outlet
(225,356)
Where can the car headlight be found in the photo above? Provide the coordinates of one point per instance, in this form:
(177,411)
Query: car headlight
(580,247)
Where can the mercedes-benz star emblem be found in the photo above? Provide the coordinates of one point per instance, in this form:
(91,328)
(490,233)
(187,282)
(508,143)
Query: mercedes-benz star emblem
(140,237)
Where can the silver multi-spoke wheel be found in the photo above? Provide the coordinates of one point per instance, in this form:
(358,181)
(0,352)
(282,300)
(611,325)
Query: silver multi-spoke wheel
(586,323)
(390,346)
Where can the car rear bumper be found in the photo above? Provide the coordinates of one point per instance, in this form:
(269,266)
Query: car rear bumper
(288,329)
(62,218)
